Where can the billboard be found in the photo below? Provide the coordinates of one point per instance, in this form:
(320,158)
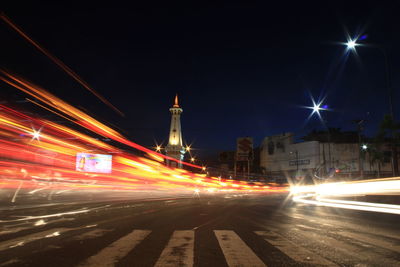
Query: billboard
(244,148)
(100,163)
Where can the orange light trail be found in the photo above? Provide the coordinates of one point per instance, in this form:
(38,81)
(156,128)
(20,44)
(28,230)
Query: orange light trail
(77,116)
(58,62)
(50,161)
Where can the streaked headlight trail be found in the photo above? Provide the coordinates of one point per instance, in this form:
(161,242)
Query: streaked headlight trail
(327,194)
(36,153)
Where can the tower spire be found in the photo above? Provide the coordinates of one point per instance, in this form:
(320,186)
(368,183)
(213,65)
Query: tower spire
(176,104)
(175,148)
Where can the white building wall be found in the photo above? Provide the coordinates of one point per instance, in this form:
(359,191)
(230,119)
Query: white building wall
(278,153)
(303,155)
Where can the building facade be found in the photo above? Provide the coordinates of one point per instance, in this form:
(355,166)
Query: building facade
(281,157)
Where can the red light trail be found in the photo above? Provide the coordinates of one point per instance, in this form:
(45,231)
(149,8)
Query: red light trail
(58,62)
(35,153)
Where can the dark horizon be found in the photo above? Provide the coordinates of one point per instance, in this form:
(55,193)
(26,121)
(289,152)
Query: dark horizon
(239,69)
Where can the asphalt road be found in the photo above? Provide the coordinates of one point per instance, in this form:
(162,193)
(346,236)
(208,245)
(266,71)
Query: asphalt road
(199,230)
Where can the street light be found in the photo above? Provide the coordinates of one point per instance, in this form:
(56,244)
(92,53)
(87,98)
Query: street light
(158,148)
(192,159)
(316,107)
(364,147)
(36,134)
(351,44)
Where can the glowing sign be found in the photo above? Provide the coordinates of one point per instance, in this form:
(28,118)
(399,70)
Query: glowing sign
(93,162)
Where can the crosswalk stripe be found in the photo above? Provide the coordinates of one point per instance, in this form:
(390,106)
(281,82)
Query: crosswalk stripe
(292,250)
(235,250)
(179,250)
(117,250)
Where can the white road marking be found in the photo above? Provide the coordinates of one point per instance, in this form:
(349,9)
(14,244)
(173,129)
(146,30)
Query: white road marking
(306,227)
(179,251)
(21,241)
(292,250)
(117,250)
(235,250)
(12,261)
(91,234)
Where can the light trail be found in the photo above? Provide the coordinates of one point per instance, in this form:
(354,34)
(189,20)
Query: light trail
(58,62)
(326,194)
(49,161)
(77,116)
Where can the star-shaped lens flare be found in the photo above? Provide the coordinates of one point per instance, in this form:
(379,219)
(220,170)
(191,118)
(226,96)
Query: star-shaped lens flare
(351,44)
(317,107)
(36,134)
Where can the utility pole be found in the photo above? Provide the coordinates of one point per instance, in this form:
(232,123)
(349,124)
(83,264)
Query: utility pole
(360,159)
(394,158)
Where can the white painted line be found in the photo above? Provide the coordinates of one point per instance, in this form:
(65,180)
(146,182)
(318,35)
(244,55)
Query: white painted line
(179,251)
(235,250)
(117,250)
(91,234)
(292,250)
(21,241)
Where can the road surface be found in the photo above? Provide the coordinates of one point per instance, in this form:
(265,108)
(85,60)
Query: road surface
(199,230)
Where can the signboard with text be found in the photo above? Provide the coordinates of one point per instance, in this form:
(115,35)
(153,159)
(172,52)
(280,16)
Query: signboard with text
(299,162)
(99,163)
(244,148)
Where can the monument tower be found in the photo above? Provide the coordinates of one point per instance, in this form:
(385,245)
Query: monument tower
(175,147)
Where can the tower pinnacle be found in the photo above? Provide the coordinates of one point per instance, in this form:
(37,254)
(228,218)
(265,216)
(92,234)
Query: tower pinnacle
(176,104)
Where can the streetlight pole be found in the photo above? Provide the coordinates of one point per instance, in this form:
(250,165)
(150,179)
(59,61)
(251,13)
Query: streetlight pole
(394,158)
(351,44)
(360,159)
(388,80)
(297,160)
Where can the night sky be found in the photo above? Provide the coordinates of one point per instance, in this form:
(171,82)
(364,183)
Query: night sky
(240,68)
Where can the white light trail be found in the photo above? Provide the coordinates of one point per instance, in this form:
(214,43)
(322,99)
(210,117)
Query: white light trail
(323,194)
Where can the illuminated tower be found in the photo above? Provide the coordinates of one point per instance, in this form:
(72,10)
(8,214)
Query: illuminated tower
(175,148)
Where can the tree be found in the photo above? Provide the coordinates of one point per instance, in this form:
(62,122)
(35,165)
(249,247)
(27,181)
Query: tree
(376,154)
(389,128)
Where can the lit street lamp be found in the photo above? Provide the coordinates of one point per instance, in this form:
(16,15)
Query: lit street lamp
(364,147)
(351,44)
